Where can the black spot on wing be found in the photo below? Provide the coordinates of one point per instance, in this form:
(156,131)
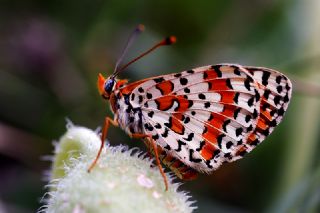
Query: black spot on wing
(202,143)
(286,98)
(167,147)
(277,99)
(228,82)
(236,97)
(183,81)
(190,137)
(150,114)
(165,133)
(158,80)
(236,71)
(208,163)
(239,131)
(229,144)
(191,158)
(250,128)
(169,124)
(216,68)
(257,95)
(228,156)
(250,101)
(248,118)
(225,124)
(157,126)
(278,79)
(140,89)
(132,96)
(281,111)
(265,77)
(149,95)
(273,123)
(247,84)
(155,137)
(219,140)
(266,93)
(216,153)
(201,96)
(255,114)
(288,87)
(186,120)
(148,126)
(180,144)
(236,112)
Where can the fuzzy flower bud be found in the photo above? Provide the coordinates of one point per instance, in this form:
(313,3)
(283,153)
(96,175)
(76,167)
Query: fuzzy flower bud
(122,181)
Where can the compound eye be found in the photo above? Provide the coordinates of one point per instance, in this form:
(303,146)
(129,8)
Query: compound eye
(109,85)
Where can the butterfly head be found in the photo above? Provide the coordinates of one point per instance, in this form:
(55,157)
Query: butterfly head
(106,86)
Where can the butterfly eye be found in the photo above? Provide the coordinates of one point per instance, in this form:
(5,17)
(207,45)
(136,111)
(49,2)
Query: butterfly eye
(109,85)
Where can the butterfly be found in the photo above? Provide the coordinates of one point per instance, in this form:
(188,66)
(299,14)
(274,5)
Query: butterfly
(196,120)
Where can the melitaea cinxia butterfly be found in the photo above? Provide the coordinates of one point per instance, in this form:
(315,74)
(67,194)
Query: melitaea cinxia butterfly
(195,120)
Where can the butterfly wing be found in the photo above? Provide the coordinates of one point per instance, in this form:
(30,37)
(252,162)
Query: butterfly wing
(276,91)
(210,115)
(202,116)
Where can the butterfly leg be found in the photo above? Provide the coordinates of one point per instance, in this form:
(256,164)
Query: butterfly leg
(154,147)
(105,128)
(182,171)
(139,135)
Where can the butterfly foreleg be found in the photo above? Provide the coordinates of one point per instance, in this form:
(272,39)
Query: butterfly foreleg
(104,133)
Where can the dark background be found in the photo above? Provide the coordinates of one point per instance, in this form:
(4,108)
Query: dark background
(51,53)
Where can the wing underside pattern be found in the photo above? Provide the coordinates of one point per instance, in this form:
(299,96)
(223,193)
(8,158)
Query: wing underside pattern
(214,114)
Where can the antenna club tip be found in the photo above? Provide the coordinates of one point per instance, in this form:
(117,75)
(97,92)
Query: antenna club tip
(170,40)
(141,27)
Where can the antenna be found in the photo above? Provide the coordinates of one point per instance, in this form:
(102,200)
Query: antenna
(167,41)
(131,38)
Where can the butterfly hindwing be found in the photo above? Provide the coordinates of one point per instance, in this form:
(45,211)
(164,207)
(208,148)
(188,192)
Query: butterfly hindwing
(276,91)
(178,167)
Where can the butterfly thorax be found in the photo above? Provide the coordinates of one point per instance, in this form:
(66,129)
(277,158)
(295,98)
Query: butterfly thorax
(128,117)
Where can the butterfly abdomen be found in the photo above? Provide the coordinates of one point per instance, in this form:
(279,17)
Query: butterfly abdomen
(129,118)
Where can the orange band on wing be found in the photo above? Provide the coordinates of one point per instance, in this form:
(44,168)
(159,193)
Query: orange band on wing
(129,87)
(261,124)
(166,102)
(165,87)
(207,151)
(218,84)
(227,97)
(217,120)
(211,134)
(210,74)
(228,110)
(177,126)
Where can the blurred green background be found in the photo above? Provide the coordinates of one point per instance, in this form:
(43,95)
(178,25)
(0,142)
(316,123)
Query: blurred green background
(51,53)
